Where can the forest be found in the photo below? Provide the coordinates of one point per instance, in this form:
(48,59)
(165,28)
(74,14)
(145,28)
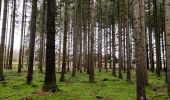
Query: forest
(85,49)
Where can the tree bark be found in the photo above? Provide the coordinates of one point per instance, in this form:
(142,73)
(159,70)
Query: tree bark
(42,37)
(62,79)
(3,33)
(167,31)
(91,67)
(50,75)
(21,41)
(12,37)
(32,42)
(140,47)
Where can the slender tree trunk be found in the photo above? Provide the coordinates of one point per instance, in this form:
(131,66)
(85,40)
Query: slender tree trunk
(3,33)
(91,67)
(100,39)
(69,46)
(157,39)
(62,79)
(110,47)
(150,40)
(59,58)
(12,37)
(85,44)
(0,6)
(42,37)
(6,38)
(124,46)
(106,37)
(113,49)
(32,42)
(23,49)
(9,40)
(21,41)
(75,28)
(120,39)
(113,41)
(128,42)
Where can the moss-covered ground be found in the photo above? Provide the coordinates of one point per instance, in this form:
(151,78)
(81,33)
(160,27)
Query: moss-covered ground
(106,87)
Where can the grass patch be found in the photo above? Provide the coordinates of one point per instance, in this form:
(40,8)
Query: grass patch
(106,87)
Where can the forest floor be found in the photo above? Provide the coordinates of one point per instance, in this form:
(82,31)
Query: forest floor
(106,87)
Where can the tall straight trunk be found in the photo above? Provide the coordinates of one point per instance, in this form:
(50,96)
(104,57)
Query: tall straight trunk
(69,46)
(21,41)
(128,52)
(88,31)
(100,39)
(3,33)
(80,37)
(167,31)
(140,47)
(105,49)
(0,6)
(42,37)
(91,67)
(59,54)
(50,75)
(157,39)
(150,40)
(113,41)
(6,38)
(32,42)
(106,37)
(124,46)
(85,45)
(120,39)
(75,44)
(110,47)
(12,37)
(59,58)
(9,41)
(78,25)
(147,55)
(113,49)
(62,79)
(23,49)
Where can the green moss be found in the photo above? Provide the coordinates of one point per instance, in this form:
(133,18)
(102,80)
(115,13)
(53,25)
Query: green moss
(106,87)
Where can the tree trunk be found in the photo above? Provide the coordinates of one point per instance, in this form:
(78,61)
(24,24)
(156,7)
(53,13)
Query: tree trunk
(23,49)
(100,39)
(12,37)
(157,39)
(3,33)
(128,52)
(151,54)
(50,75)
(91,67)
(62,79)
(140,47)
(0,6)
(42,37)
(167,31)
(21,41)
(32,42)
(120,39)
